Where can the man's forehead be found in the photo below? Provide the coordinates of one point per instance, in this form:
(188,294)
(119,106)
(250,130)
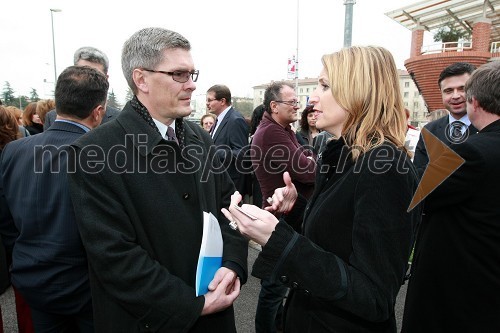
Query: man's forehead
(94,65)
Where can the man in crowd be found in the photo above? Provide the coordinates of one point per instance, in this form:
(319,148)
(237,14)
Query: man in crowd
(274,150)
(95,58)
(230,133)
(140,201)
(456,127)
(49,265)
(455,284)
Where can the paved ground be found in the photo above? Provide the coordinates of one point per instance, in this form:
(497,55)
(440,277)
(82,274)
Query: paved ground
(245,305)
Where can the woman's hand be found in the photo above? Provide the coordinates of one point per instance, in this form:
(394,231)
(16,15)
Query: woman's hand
(284,197)
(253,222)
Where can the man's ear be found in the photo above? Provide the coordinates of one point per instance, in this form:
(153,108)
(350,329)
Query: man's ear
(98,113)
(140,80)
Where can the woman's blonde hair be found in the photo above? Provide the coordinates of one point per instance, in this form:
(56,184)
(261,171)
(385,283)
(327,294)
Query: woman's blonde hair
(364,81)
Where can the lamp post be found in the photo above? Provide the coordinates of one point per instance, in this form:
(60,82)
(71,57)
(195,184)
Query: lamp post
(52,11)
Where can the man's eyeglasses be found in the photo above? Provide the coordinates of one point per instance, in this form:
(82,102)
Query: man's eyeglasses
(178,76)
(209,100)
(291,103)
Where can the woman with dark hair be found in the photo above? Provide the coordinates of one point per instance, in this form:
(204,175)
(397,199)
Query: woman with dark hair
(31,120)
(308,130)
(256,118)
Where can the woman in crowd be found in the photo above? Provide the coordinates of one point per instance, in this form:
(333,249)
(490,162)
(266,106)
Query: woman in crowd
(207,121)
(347,266)
(308,130)
(43,107)
(31,120)
(19,117)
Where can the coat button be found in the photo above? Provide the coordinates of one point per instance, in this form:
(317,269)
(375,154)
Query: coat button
(284,279)
(307,292)
(295,285)
(146,326)
(185,196)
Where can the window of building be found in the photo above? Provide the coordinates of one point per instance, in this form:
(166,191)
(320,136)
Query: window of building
(416,94)
(407,84)
(406,94)
(301,90)
(415,115)
(406,103)
(307,90)
(415,105)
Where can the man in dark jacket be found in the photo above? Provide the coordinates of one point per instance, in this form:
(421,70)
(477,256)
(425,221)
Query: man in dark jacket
(455,284)
(230,133)
(49,265)
(140,189)
(456,127)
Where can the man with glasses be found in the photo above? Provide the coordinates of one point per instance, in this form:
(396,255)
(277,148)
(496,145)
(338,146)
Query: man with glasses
(274,150)
(95,58)
(140,189)
(230,133)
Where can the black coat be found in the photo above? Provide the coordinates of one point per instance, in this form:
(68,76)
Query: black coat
(347,269)
(140,217)
(455,282)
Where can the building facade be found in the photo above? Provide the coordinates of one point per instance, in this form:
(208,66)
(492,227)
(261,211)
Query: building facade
(413,100)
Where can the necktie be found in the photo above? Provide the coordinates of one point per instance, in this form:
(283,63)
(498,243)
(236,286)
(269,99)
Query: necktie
(171,135)
(457,130)
(212,130)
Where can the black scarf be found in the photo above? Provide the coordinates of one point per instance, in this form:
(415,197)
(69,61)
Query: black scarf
(144,113)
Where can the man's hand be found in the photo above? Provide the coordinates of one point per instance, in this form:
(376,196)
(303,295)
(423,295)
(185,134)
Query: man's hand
(222,291)
(284,197)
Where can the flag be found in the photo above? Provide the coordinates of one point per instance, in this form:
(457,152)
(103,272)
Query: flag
(292,68)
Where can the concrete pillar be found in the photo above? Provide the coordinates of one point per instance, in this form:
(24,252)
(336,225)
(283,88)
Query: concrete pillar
(417,40)
(481,35)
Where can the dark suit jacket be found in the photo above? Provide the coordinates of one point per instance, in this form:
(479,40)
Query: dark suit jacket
(50,117)
(455,283)
(140,216)
(347,269)
(49,265)
(438,128)
(230,138)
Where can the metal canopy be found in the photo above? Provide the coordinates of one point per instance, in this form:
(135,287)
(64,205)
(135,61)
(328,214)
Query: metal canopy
(432,14)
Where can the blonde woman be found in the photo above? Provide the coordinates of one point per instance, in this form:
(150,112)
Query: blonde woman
(346,267)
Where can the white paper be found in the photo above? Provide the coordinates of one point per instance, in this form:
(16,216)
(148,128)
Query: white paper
(411,140)
(210,258)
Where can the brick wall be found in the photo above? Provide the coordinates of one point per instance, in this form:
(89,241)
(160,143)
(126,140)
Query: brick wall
(426,69)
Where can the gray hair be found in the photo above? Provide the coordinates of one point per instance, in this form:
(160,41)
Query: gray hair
(91,54)
(273,93)
(484,86)
(144,49)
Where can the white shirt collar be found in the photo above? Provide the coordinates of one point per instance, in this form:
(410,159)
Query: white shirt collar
(220,118)
(163,128)
(464,119)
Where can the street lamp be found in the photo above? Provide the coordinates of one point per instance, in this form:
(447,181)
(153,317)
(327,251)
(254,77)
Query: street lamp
(54,41)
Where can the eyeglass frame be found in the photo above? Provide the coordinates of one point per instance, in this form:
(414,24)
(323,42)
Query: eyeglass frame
(213,99)
(176,73)
(289,103)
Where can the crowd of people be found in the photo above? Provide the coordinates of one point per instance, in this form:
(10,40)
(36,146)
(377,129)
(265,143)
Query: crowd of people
(103,212)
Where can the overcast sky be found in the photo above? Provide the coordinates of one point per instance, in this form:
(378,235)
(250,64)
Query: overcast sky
(237,43)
